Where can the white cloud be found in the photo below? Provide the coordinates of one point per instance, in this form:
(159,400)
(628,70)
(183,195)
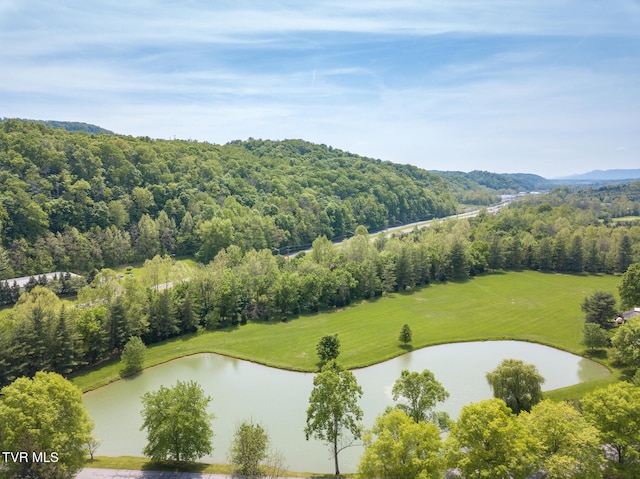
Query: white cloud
(219,71)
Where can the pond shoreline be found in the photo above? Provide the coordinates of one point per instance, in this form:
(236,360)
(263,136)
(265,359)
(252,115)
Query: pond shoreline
(278,399)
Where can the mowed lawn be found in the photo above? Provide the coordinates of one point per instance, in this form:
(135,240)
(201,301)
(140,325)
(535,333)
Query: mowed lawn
(530,306)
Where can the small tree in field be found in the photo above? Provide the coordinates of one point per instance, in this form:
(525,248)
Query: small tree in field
(92,445)
(328,348)
(132,356)
(406,336)
(594,336)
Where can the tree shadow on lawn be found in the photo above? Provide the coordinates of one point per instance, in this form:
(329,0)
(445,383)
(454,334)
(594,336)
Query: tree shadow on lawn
(627,374)
(600,354)
(173,466)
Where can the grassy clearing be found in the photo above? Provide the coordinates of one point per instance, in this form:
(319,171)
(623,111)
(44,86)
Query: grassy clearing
(528,306)
(144,464)
(140,273)
(626,219)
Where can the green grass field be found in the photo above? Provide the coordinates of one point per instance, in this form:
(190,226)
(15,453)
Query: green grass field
(626,219)
(529,306)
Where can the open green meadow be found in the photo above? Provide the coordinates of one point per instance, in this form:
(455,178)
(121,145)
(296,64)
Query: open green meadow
(528,306)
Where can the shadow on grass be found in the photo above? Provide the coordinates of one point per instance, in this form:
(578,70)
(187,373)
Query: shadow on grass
(406,347)
(174,466)
(627,374)
(128,375)
(600,354)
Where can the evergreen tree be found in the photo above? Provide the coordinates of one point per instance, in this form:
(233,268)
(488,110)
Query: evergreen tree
(405,335)
(64,352)
(117,323)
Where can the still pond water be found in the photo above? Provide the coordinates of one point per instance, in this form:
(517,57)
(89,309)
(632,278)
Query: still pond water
(278,399)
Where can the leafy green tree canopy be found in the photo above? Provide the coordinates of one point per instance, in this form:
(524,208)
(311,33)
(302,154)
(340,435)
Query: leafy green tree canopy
(518,384)
(333,414)
(177,423)
(487,442)
(615,412)
(629,287)
(570,446)
(418,394)
(398,447)
(328,348)
(249,449)
(625,344)
(594,336)
(46,418)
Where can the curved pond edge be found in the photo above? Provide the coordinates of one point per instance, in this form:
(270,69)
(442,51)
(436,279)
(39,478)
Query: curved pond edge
(115,364)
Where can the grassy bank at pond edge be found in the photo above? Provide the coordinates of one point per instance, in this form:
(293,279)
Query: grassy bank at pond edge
(526,306)
(144,464)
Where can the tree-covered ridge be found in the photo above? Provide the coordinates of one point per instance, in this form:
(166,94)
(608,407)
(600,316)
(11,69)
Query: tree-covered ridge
(76,202)
(69,126)
(483,188)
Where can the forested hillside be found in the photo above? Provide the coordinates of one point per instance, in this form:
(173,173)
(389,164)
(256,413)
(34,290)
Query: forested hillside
(78,202)
(483,188)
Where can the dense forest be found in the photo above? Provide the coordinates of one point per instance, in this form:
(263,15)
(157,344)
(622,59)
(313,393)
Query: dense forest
(77,202)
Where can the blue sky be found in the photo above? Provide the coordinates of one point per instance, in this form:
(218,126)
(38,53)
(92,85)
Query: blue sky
(543,86)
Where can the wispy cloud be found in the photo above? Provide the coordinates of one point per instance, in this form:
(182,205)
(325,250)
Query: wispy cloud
(445,84)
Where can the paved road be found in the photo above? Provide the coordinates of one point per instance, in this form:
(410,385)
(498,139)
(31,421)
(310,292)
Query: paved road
(90,473)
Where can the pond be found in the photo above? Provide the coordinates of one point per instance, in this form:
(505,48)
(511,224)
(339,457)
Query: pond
(278,399)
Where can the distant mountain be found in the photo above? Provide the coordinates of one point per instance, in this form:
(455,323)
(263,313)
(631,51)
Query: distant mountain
(503,182)
(70,126)
(605,175)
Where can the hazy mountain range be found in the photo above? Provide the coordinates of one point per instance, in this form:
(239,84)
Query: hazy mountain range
(603,175)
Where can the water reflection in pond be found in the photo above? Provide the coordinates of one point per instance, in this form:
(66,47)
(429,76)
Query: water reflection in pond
(278,399)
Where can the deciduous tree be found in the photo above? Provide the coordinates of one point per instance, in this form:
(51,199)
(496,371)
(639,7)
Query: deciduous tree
(333,415)
(418,394)
(594,336)
(518,384)
(625,344)
(249,449)
(570,446)
(328,348)
(397,447)
(629,287)
(44,416)
(487,442)
(615,412)
(178,423)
